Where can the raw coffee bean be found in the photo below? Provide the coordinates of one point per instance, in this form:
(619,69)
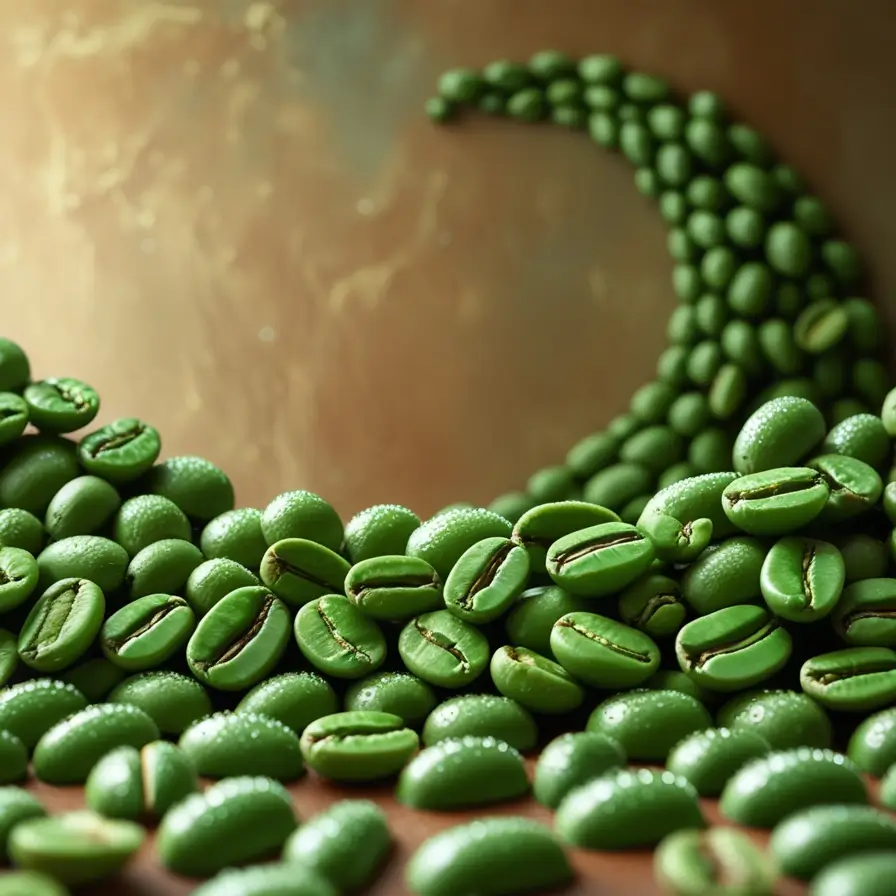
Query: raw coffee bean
(94,678)
(209,831)
(299,570)
(142,520)
(653,605)
(67,752)
(872,746)
(162,567)
(481,715)
(779,434)
(120,452)
(443,650)
(855,486)
(90,557)
(863,556)
(592,453)
(511,505)
(358,746)
(227,745)
(725,575)
(530,622)
(199,488)
(865,616)
(550,484)
(173,701)
(615,486)
(235,535)
(708,759)
(9,657)
(399,693)
(345,844)
(534,681)
(81,507)
(377,531)
(785,719)
(648,724)
(460,85)
(863,437)
(18,577)
(772,787)
(802,578)
(857,679)
(294,698)
(626,809)
(29,709)
(571,760)
(394,587)
(820,326)
(16,805)
(36,469)
(21,529)
(14,414)
(302,514)
(866,873)
(215,579)
(462,773)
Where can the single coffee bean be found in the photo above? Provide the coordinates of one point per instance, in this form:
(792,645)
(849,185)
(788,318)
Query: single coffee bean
(162,567)
(443,539)
(75,848)
(785,719)
(538,528)
(499,856)
(140,785)
(733,649)
(866,613)
(481,715)
(173,701)
(262,880)
(208,831)
(81,507)
(18,577)
(616,485)
(294,698)
(61,625)
(61,404)
(235,535)
(21,529)
(14,415)
(776,502)
(146,632)
(145,519)
(861,875)
(864,557)
(779,434)
(194,484)
(808,841)
(228,745)
(29,709)
(90,557)
(648,724)
(725,575)
(379,531)
(121,451)
(652,604)
(298,570)
(398,693)
(857,679)
(94,678)
(511,505)
(863,437)
(240,640)
(338,639)
(443,650)
(602,652)
(626,809)
(855,486)
(682,518)
(394,588)
(16,805)
(872,746)
(571,760)
(215,579)
(486,580)
(358,746)
(708,759)
(719,860)
(462,773)
(345,844)
(67,752)
(599,560)
(534,681)
(802,578)
(774,786)
(35,468)
(530,621)
(9,656)
(13,758)
(304,515)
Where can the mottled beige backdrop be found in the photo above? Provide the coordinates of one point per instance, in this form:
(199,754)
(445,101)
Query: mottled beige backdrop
(234,221)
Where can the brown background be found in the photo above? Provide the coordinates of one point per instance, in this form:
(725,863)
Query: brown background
(233,220)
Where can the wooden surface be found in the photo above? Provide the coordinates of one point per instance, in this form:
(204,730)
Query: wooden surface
(233,220)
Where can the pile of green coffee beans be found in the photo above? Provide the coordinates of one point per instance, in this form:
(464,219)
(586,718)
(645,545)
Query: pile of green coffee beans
(700,603)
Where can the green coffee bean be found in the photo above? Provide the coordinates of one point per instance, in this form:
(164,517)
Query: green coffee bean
(346,844)
(872,746)
(500,856)
(358,746)
(530,622)
(84,557)
(626,809)
(779,434)
(616,485)
(299,570)
(36,469)
(863,437)
(462,773)
(534,681)
(486,579)
(785,719)
(140,784)
(865,873)
(571,760)
(724,575)
(865,616)
(16,805)
(768,789)
(398,693)
(145,519)
(14,415)
(443,650)
(653,605)
(208,831)
(235,535)
(550,484)
(147,631)
(194,484)
(74,848)
(18,577)
(121,451)
(383,529)
(393,587)
(67,752)
(857,679)
(94,678)
(708,759)
(29,709)
(855,487)
(676,680)
(511,505)
(227,745)
(481,715)
(82,506)
(864,557)
(162,567)
(733,649)
(802,578)
(240,640)
(173,701)
(648,724)
(776,502)
(215,579)
(21,529)
(821,326)
(294,698)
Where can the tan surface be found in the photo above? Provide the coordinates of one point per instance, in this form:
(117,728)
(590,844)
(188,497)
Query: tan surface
(232,219)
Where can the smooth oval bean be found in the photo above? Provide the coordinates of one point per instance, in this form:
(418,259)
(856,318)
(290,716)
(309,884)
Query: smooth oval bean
(481,715)
(708,759)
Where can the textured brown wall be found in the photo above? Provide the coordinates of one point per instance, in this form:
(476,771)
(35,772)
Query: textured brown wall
(233,219)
